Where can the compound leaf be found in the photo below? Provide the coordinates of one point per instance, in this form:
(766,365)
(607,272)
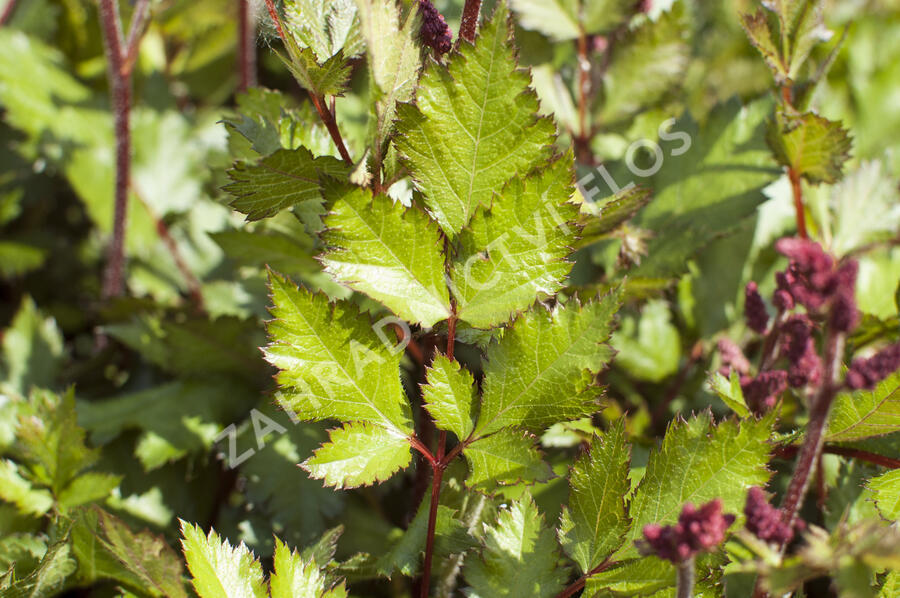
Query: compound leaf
(391,253)
(359,454)
(542,369)
(449,396)
(519,557)
(474,127)
(218,570)
(594,524)
(333,363)
(698,462)
(866,413)
(504,458)
(516,252)
(284,179)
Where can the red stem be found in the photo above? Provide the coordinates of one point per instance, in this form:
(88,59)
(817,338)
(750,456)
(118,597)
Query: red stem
(579,583)
(331,125)
(818,419)
(246,50)
(852,453)
(584,84)
(120,93)
(469,23)
(796,186)
(7,13)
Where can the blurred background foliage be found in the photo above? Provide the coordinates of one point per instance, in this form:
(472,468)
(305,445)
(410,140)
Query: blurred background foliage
(181,361)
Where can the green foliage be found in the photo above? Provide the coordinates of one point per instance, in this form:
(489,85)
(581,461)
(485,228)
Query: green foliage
(862,414)
(357,454)
(519,557)
(449,397)
(595,523)
(815,147)
(473,128)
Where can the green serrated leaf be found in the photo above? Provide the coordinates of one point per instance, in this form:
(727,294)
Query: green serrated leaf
(391,253)
(885,490)
(47,580)
(87,488)
(32,349)
(333,363)
(284,179)
(52,440)
(474,127)
(519,557)
(542,370)
(516,252)
(729,390)
(891,586)
(815,147)
(866,413)
(218,570)
(504,458)
(759,30)
(19,491)
(450,396)
(639,577)
(148,558)
(594,524)
(359,454)
(327,78)
(699,461)
(295,577)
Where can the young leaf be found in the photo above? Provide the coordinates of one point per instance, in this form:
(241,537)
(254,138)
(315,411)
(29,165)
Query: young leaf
(866,413)
(19,491)
(517,251)
(519,557)
(333,363)
(699,461)
(542,369)
(604,217)
(814,147)
(450,396)
(296,578)
(53,440)
(284,179)
(324,26)
(218,570)
(359,454)
(391,253)
(885,490)
(729,390)
(504,458)
(594,524)
(474,127)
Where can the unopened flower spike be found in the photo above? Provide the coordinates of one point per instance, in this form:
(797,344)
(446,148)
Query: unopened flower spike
(767,522)
(698,530)
(435,32)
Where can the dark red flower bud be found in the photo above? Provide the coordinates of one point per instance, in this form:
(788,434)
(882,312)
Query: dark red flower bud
(755,309)
(867,373)
(761,393)
(844,315)
(434,31)
(765,521)
(800,350)
(733,358)
(782,299)
(697,530)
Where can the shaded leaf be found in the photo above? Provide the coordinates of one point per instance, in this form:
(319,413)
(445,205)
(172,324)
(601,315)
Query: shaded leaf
(866,413)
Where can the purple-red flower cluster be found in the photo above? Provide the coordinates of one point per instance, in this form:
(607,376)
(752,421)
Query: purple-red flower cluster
(814,280)
(434,31)
(765,521)
(866,373)
(697,530)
